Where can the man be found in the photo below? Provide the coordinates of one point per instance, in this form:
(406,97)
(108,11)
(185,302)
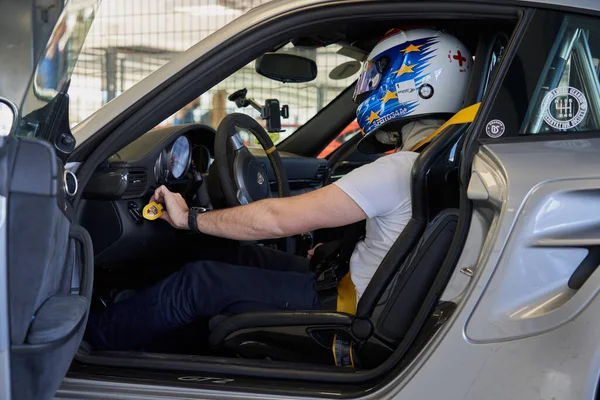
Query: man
(186,114)
(408,84)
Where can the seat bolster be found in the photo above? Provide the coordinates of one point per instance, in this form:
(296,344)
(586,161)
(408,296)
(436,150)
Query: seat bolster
(386,271)
(227,326)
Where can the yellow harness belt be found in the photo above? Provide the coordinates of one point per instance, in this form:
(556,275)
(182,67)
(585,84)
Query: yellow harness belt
(346,299)
(464,116)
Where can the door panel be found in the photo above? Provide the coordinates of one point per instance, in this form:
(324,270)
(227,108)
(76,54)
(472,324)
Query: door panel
(541,142)
(46,255)
(550,218)
(46,319)
(536,181)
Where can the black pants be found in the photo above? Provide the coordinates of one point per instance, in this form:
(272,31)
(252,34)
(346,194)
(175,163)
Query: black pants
(250,278)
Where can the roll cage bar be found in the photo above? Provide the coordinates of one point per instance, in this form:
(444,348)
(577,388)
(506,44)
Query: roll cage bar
(571,46)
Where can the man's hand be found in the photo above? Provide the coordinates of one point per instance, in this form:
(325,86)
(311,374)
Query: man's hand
(176,209)
(311,252)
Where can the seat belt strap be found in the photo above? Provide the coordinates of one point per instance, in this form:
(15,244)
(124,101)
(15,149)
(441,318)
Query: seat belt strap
(346,298)
(343,348)
(464,116)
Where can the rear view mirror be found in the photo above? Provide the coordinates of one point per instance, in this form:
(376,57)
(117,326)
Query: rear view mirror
(7,117)
(288,68)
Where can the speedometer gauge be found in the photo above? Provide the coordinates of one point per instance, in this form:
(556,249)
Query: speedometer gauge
(179,159)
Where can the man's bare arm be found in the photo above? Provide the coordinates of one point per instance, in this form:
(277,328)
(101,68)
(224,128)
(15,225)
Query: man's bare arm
(270,218)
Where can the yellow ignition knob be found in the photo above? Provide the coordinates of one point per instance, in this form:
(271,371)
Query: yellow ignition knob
(152,211)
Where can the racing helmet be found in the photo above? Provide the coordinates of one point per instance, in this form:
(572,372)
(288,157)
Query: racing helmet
(410,74)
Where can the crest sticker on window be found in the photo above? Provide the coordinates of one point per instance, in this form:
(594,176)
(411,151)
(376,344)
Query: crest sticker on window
(495,128)
(564,107)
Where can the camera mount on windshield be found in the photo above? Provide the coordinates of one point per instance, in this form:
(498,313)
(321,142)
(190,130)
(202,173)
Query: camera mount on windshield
(270,112)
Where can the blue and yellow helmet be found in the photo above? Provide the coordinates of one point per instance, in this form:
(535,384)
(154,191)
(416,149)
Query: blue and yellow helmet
(409,74)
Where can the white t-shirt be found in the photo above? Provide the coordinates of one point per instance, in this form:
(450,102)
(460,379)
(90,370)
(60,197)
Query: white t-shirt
(382,190)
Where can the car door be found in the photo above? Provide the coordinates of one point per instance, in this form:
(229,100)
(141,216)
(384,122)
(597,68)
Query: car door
(527,321)
(46,259)
(541,144)
(535,188)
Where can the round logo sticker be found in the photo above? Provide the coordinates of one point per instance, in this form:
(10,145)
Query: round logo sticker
(495,128)
(564,107)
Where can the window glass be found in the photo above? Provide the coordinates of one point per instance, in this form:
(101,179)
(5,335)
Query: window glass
(43,102)
(552,85)
(496,55)
(130,39)
(304,100)
(348,133)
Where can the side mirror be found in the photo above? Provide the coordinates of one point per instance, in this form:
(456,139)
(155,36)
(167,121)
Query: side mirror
(8,116)
(287,68)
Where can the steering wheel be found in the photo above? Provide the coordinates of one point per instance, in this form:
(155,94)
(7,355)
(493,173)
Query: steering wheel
(242,177)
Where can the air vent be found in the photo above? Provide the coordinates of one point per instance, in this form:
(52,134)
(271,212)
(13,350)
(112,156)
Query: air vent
(137,180)
(320,174)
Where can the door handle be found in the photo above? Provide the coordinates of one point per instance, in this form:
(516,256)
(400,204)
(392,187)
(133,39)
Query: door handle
(80,234)
(585,269)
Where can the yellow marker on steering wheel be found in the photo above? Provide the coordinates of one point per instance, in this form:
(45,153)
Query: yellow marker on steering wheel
(152,211)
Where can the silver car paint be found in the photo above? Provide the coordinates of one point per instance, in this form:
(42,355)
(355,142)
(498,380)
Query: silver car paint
(529,292)
(558,363)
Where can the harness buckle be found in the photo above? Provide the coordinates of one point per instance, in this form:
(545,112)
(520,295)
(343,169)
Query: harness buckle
(328,279)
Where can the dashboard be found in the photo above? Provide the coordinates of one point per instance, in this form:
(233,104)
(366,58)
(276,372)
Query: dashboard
(179,157)
(165,156)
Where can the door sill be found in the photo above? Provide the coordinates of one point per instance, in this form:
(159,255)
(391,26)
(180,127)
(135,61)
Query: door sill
(219,365)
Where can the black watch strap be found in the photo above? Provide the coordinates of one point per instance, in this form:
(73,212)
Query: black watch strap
(193,220)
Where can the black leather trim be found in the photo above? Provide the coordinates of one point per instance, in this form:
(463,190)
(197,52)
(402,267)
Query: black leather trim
(415,277)
(409,237)
(423,164)
(388,267)
(278,318)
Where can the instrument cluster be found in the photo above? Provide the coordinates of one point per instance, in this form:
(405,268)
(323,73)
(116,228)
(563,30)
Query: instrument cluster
(181,159)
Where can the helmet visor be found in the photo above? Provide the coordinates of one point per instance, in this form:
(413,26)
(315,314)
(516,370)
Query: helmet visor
(369,80)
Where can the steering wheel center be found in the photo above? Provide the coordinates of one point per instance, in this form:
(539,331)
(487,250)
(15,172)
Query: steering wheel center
(251,177)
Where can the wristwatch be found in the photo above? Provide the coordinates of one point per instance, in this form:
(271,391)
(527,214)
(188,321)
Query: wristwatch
(193,219)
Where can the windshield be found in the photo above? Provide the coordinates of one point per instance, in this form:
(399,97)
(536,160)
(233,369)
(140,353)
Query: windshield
(304,100)
(130,39)
(122,46)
